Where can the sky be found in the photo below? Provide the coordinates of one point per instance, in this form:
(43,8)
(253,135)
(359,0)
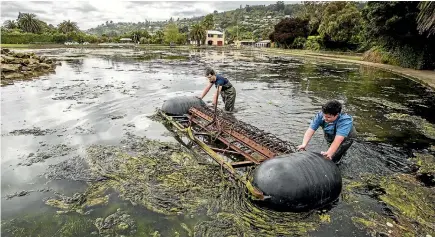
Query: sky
(90,14)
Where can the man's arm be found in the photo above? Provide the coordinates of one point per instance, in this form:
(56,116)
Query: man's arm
(334,146)
(307,137)
(216,96)
(206,89)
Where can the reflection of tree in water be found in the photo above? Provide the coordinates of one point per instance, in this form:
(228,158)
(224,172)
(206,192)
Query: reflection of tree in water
(76,64)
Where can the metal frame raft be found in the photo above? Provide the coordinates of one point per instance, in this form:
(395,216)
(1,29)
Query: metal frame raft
(239,140)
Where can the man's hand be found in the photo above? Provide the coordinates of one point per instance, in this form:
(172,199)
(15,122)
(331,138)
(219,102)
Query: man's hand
(302,147)
(326,155)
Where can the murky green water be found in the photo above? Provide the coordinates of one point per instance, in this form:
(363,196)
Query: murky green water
(105,98)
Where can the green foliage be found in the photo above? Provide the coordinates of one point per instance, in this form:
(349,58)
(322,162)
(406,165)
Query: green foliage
(393,26)
(341,23)
(313,11)
(172,35)
(391,23)
(29,38)
(288,29)
(10,24)
(279,6)
(299,43)
(158,37)
(29,23)
(208,22)
(197,33)
(313,43)
(380,55)
(426,18)
(68,26)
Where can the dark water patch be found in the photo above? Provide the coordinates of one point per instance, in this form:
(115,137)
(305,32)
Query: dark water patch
(35,131)
(26,192)
(44,153)
(75,169)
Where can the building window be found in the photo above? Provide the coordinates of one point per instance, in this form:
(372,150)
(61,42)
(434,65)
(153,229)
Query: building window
(210,35)
(220,36)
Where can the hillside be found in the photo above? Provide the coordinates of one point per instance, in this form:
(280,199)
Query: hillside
(248,22)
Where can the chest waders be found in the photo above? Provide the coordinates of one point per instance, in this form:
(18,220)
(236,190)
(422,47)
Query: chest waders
(228,93)
(344,146)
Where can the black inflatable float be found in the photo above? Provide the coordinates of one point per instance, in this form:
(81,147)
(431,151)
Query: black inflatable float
(180,105)
(298,182)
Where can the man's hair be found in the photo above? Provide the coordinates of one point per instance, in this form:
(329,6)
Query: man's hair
(332,107)
(209,71)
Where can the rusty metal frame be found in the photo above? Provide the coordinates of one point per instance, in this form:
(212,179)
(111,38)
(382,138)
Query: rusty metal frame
(240,137)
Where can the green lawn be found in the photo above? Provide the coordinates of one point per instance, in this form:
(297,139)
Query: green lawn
(15,46)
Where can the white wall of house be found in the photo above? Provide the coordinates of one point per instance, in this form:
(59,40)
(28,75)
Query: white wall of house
(215,38)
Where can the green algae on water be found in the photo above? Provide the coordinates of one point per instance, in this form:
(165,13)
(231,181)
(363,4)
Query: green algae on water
(80,202)
(412,206)
(383,103)
(118,223)
(48,225)
(421,124)
(426,167)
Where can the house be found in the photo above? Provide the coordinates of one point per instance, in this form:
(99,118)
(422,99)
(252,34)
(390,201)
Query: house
(244,43)
(263,43)
(125,40)
(215,38)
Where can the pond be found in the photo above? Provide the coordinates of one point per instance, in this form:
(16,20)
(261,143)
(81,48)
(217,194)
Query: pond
(95,115)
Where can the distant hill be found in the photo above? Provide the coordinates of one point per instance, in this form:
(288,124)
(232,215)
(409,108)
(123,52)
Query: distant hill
(246,22)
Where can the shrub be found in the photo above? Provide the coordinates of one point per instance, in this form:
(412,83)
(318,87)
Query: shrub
(299,43)
(313,43)
(379,55)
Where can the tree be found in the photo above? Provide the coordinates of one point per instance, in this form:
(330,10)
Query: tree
(393,26)
(172,35)
(10,24)
(288,29)
(426,18)
(29,23)
(248,8)
(183,29)
(313,11)
(68,26)
(341,23)
(208,22)
(279,6)
(158,37)
(392,21)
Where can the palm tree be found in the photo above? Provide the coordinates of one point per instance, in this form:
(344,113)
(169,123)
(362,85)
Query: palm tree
(68,26)
(29,23)
(426,17)
(197,33)
(10,24)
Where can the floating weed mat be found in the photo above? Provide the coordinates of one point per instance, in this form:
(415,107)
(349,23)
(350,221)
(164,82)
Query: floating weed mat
(170,179)
(164,177)
(233,214)
(409,206)
(48,225)
(421,124)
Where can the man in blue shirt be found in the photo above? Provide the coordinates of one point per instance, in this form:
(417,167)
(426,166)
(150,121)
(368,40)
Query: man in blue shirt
(224,88)
(338,128)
